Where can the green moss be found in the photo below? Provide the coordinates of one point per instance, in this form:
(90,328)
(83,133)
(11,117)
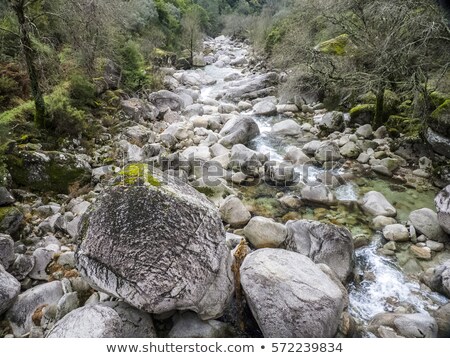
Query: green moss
(440,119)
(438,98)
(411,128)
(205,190)
(367,98)
(362,108)
(391,102)
(406,108)
(56,174)
(137,174)
(337,46)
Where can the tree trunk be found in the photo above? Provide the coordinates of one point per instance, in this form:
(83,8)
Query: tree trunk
(29,54)
(379,108)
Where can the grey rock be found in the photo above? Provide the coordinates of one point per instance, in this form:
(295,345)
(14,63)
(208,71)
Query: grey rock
(286,108)
(239,130)
(442,202)
(137,110)
(442,317)
(6,197)
(380,222)
(265,108)
(288,127)
(193,110)
(328,152)
(311,147)
(425,221)
(171,242)
(438,142)
(67,259)
(290,296)
(20,314)
(234,212)
(375,204)
(105,320)
(251,87)
(296,156)
(67,304)
(42,258)
(435,246)
(22,266)
(188,325)
(263,232)
(227,108)
(6,251)
(138,135)
(330,122)
(10,220)
(9,290)
(350,150)
(218,150)
(415,325)
(365,131)
(166,99)
(323,243)
(438,278)
(319,194)
(396,232)
(233,240)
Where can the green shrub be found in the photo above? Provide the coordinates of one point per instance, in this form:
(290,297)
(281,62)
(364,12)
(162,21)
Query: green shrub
(63,118)
(133,66)
(81,91)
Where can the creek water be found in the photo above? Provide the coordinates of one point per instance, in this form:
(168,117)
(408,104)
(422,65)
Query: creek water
(380,284)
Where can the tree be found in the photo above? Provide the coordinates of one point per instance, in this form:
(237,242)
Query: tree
(357,46)
(391,45)
(19,8)
(191,31)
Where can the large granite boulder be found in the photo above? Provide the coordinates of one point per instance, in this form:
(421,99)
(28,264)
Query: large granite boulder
(158,244)
(323,243)
(105,320)
(239,130)
(290,296)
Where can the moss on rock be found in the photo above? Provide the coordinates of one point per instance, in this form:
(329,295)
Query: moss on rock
(138,174)
(411,128)
(362,114)
(10,219)
(440,119)
(47,171)
(438,98)
(337,46)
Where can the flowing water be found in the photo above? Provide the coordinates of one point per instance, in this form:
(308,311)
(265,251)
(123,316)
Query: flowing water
(380,284)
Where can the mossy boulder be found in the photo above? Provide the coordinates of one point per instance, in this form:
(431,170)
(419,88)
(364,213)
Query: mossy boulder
(10,220)
(163,58)
(47,171)
(391,102)
(158,247)
(440,119)
(411,128)
(337,46)
(362,114)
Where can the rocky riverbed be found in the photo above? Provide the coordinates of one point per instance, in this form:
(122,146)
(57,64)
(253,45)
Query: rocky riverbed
(222,207)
